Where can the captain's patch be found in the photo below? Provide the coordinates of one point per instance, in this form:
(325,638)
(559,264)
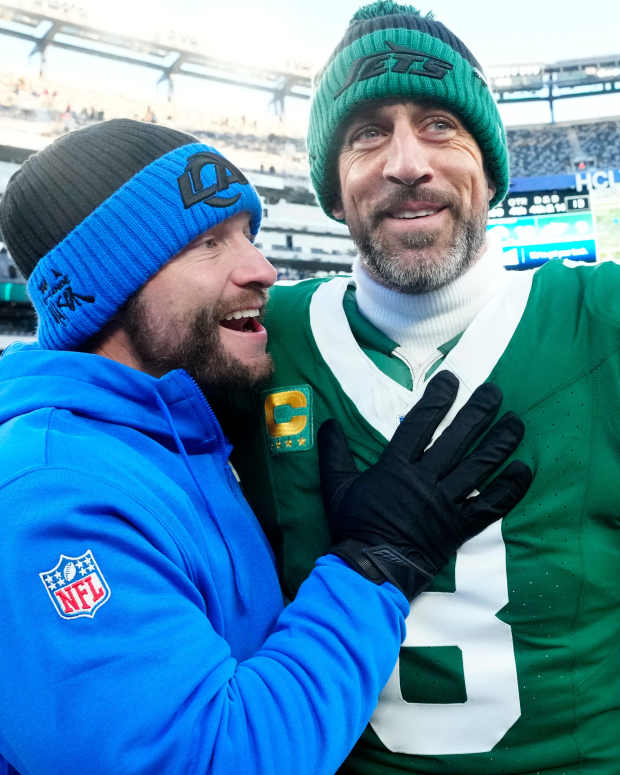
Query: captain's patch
(76,586)
(288,419)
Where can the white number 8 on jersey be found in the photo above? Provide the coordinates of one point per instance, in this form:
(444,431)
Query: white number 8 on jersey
(464,618)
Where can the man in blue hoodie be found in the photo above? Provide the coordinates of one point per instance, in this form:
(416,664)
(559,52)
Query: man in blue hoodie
(143,629)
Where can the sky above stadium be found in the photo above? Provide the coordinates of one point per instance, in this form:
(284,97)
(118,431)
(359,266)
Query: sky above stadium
(274,32)
(513,31)
(501,32)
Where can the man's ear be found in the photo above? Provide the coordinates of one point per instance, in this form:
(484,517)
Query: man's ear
(338,209)
(490,184)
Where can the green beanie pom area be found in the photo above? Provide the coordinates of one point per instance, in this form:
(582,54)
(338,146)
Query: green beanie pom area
(391,50)
(385,8)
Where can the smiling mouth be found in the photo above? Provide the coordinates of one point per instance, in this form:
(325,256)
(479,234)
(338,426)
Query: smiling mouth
(410,214)
(243,321)
(418,214)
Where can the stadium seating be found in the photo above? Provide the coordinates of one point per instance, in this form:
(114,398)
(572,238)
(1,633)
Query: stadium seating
(275,145)
(296,235)
(556,149)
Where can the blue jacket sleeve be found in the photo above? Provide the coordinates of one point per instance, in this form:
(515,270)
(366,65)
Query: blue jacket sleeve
(147,685)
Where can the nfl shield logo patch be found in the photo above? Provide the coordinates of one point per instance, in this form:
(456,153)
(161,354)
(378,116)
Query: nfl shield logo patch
(76,586)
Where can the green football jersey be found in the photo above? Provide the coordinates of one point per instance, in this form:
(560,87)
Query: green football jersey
(511,662)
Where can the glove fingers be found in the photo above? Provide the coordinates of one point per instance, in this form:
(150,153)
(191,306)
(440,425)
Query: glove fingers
(336,465)
(471,422)
(497,499)
(416,430)
(496,447)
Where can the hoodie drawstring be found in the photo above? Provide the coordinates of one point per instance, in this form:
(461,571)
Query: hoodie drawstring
(242,593)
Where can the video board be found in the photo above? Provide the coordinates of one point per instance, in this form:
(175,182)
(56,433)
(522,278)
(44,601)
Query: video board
(579,219)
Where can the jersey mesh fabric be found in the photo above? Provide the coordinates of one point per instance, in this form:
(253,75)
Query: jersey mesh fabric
(548,578)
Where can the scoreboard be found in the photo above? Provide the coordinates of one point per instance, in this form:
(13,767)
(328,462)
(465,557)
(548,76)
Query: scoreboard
(578,220)
(541,203)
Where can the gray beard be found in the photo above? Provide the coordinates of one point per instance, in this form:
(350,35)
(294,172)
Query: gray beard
(427,272)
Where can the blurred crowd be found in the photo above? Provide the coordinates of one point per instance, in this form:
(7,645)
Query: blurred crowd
(276,145)
(273,145)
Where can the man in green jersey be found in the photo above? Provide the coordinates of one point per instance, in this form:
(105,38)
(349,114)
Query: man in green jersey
(515,670)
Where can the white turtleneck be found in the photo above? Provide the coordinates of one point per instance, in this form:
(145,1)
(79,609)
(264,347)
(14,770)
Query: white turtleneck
(420,323)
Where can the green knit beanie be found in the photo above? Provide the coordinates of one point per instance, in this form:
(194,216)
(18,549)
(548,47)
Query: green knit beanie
(390,50)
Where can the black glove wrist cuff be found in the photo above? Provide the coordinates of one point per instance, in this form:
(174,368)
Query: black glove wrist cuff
(384,563)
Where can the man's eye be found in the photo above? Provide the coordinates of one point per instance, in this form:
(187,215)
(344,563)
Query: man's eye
(441,125)
(366,133)
(209,242)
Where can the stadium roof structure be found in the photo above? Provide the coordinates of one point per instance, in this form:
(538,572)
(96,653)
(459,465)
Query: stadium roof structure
(567,79)
(68,26)
(48,23)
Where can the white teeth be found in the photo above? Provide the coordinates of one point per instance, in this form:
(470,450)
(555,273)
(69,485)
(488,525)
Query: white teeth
(243,313)
(416,214)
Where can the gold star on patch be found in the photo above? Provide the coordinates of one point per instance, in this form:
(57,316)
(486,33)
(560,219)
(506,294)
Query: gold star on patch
(289,443)
(278,444)
(301,442)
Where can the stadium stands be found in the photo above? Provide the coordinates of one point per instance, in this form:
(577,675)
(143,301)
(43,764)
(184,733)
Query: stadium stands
(35,105)
(556,149)
(297,237)
(17,319)
(32,105)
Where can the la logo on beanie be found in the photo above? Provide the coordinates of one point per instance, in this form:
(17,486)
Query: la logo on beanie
(223,172)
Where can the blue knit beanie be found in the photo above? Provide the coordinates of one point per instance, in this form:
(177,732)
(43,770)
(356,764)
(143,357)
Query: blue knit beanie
(89,219)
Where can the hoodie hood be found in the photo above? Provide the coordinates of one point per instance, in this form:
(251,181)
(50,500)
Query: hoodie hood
(92,386)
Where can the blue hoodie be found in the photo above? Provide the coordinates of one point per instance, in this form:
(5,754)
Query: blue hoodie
(142,625)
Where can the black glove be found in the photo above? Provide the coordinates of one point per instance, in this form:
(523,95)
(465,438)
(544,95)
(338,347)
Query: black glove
(404,517)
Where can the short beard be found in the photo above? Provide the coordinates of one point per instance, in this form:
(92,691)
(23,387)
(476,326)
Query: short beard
(198,351)
(426,272)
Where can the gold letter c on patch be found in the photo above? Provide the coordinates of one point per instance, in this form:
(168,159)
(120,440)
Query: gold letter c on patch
(295,399)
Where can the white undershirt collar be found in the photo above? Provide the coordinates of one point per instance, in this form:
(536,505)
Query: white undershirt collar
(420,323)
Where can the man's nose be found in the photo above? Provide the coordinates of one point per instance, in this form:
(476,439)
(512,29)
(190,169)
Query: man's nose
(408,158)
(253,268)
